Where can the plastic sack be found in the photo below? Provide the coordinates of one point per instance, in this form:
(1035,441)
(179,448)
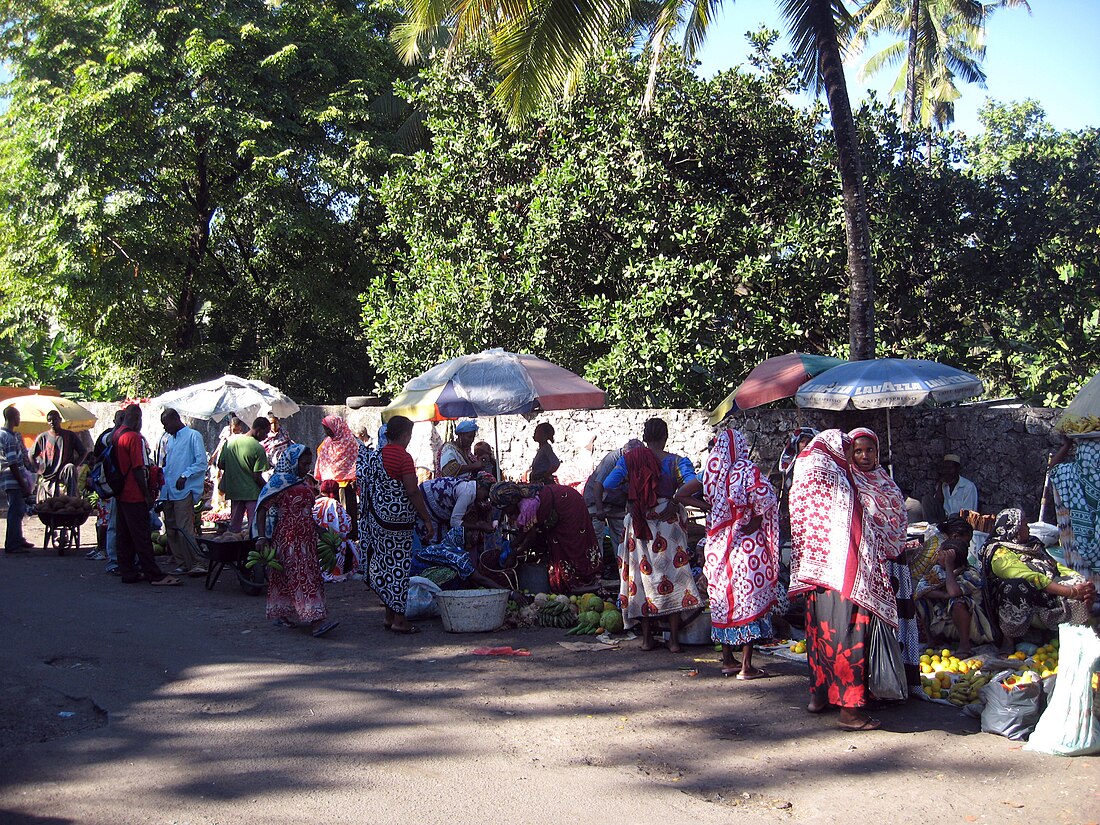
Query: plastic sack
(885,669)
(1069,726)
(1011,713)
(421,603)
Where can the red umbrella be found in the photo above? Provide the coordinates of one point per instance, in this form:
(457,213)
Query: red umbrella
(772,379)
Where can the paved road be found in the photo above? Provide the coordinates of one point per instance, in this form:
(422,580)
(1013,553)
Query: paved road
(186,706)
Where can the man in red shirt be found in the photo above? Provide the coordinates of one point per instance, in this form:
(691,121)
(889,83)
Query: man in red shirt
(136,561)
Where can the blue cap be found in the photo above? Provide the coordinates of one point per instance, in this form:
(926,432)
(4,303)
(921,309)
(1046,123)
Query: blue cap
(466,427)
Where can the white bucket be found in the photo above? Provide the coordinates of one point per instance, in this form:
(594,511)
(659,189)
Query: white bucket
(697,631)
(472,611)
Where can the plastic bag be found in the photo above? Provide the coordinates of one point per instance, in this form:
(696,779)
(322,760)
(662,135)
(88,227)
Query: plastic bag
(421,603)
(885,670)
(1069,727)
(1012,713)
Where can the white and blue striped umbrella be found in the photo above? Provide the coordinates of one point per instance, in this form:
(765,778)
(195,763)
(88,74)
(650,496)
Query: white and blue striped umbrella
(887,382)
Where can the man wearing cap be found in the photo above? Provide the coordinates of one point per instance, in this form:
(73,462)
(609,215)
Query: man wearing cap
(953,492)
(456,458)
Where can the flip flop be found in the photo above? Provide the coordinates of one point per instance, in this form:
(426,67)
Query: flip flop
(323,629)
(167,581)
(284,622)
(403,631)
(760,674)
(866,724)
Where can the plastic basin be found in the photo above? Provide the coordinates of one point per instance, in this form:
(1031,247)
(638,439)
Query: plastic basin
(472,611)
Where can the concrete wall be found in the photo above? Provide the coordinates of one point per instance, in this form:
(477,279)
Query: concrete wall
(1004,451)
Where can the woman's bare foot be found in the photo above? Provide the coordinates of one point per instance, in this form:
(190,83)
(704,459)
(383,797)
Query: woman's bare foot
(854,720)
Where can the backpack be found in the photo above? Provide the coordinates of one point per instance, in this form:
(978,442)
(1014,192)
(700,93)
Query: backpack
(105,477)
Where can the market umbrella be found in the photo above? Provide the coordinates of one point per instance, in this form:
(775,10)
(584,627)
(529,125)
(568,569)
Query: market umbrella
(772,379)
(1087,401)
(216,399)
(884,383)
(491,383)
(33,410)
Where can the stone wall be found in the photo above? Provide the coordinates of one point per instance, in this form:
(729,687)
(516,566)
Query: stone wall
(1004,451)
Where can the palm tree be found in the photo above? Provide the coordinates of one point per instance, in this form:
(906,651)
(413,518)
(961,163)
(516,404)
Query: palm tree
(941,41)
(541,47)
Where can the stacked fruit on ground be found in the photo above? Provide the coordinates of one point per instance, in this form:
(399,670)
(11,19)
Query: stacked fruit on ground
(941,671)
(1043,660)
(581,615)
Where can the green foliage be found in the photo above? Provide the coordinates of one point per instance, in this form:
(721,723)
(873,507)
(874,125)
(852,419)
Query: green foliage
(659,257)
(181,183)
(662,258)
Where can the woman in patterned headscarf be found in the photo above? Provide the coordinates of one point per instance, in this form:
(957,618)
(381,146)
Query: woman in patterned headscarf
(1075,476)
(837,561)
(742,551)
(1024,584)
(284,520)
(336,460)
(553,517)
(883,500)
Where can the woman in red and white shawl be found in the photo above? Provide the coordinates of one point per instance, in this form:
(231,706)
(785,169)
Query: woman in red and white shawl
(336,459)
(883,499)
(836,561)
(742,551)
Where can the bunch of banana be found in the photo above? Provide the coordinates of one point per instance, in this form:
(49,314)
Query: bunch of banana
(557,614)
(966,687)
(1077,424)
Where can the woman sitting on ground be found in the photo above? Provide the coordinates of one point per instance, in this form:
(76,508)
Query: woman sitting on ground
(1027,588)
(284,520)
(949,593)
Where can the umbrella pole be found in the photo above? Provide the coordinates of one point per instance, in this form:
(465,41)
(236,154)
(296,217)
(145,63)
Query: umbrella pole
(1043,501)
(889,444)
(496,445)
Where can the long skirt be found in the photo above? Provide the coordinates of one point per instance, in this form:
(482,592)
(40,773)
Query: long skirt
(837,632)
(908,627)
(655,573)
(389,564)
(297,589)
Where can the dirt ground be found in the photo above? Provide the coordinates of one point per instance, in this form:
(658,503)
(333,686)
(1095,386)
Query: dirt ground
(133,704)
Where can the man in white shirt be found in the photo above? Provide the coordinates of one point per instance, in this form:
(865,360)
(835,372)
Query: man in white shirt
(183,456)
(953,492)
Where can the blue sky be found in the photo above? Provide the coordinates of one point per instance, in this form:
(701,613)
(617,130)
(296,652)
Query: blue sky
(1051,55)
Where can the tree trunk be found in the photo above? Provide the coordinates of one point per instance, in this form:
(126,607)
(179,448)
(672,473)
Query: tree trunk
(857,223)
(909,114)
(188,303)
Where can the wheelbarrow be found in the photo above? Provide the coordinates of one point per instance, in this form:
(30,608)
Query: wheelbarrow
(62,530)
(232,554)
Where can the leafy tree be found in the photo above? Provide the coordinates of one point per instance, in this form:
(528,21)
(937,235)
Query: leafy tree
(181,182)
(660,257)
(540,49)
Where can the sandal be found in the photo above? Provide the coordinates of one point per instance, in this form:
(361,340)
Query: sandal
(404,631)
(755,673)
(284,622)
(866,724)
(167,581)
(323,629)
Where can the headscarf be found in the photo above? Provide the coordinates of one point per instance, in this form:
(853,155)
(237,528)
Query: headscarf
(833,535)
(508,494)
(275,444)
(737,492)
(642,473)
(330,488)
(284,477)
(337,454)
(882,499)
(467,426)
(1007,526)
(790,452)
(1077,497)
(383,438)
